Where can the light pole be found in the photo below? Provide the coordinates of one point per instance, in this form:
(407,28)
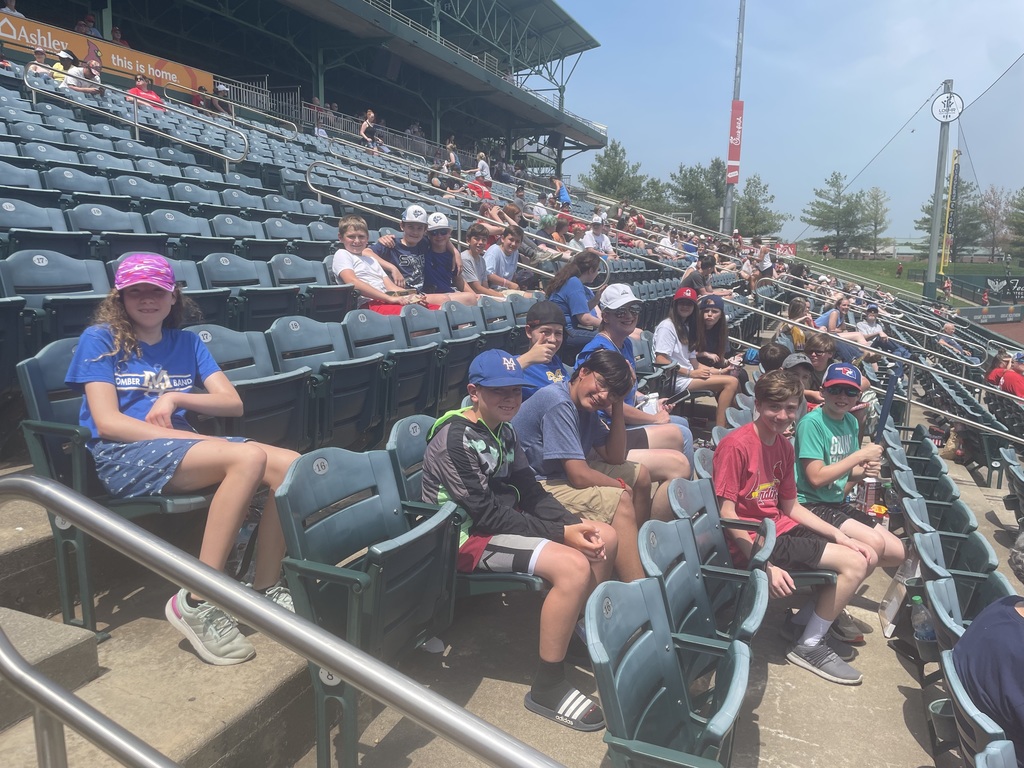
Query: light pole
(732,168)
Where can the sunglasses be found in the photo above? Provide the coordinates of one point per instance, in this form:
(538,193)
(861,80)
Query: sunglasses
(846,391)
(440,233)
(632,309)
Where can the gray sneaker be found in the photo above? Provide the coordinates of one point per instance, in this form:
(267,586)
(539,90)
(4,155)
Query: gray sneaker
(846,628)
(276,594)
(212,632)
(823,661)
(791,632)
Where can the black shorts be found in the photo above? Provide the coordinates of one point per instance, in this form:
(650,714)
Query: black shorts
(798,549)
(837,514)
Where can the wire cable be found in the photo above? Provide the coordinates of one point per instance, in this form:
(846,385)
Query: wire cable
(977,98)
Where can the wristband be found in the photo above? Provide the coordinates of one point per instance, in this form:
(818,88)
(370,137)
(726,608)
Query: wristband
(622,483)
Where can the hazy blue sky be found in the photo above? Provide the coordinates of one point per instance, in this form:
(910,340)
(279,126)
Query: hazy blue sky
(825,86)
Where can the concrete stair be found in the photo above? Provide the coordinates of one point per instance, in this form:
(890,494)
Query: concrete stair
(146,676)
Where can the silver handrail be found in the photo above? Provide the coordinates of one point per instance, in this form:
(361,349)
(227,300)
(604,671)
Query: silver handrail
(233,117)
(479,738)
(56,706)
(134,102)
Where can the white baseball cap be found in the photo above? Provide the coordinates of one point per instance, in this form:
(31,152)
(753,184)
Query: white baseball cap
(437,221)
(596,220)
(618,295)
(415,214)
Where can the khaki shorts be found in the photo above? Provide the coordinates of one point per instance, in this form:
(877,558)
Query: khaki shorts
(600,501)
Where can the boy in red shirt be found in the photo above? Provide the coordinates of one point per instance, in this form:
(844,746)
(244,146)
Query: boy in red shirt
(1013,379)
(754,479)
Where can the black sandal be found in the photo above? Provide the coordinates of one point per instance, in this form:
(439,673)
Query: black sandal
(575,710)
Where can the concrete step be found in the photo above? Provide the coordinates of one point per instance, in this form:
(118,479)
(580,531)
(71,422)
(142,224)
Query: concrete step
(65,654)
(255,714)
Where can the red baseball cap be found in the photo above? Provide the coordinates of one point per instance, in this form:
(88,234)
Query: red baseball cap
(686,293)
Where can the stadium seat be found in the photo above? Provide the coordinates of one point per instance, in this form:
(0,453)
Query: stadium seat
(200,199)
(249,238)
(274,404)
(323,211)
(24,226)
(410,381)
(37,132)
(25,184)
(146,196)
(362,565)
(321,232)
(84,140)
(464,322)
(47,155)
(960,556)
(348,399)
(107,163)
(188,237)
(703,462)
(256,301)
(288,208)
(297,236)
(61,293)
(12,340)
(248,183)
(56,445)
(954,603)
(422,326)
(997,754)
(79,187)
(975,729)
(165,173)
(648,708)
(406,445)
(319,299)
(134,149)
(115,232)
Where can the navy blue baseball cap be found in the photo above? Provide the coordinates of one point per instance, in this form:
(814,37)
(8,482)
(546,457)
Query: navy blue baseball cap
(842,373)
(496,368)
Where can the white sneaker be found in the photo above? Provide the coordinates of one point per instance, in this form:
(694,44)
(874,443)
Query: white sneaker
(278,594)
(213,634)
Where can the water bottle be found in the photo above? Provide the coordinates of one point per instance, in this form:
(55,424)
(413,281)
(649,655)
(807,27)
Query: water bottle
(921,618)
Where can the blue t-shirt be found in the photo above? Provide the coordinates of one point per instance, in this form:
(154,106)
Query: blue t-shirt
(603,342)
(540,375)
(409,259)
(573,298)
(823,320)
(179,361)
(438,272)
(551,428)
(501,265)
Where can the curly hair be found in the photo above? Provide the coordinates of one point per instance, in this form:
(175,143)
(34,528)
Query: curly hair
(111,312)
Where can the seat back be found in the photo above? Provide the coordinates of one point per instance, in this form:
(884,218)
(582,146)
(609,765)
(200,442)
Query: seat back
(703,460)
(406,446)
(95,218)
(975,729)
(940,595)
(333,504)
(225,225)
(642,687)
(997,754)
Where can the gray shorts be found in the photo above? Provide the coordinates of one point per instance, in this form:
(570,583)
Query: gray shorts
(511,553)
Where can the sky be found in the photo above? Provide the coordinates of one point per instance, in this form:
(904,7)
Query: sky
(825,86)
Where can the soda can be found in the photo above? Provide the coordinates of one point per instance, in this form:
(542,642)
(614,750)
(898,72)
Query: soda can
(869,493)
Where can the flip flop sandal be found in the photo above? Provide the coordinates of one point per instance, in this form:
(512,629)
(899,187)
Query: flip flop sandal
(572,710)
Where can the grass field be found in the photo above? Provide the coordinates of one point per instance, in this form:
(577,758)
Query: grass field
(884,273)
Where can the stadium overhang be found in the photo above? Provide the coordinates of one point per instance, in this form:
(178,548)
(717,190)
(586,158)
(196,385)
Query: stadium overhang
(479,47)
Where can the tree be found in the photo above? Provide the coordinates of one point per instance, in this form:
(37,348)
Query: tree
(699,190)
(613,176)
(753,214)
(1015,224)
(994,207)
(968,228)
(839,214)
(876,215)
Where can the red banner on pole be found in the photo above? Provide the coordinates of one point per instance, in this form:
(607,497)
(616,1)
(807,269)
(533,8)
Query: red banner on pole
(732,170)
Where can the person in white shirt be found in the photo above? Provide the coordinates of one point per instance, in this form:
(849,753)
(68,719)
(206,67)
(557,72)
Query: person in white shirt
(597,242)
(10,10)
(84,79)
(475,273)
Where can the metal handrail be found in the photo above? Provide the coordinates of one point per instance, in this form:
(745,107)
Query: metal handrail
(233,117)
(134,101)
(479,738)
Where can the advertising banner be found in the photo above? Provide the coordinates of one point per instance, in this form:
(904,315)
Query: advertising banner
(1002,314)
(732,168)
(786,249)
(26,34)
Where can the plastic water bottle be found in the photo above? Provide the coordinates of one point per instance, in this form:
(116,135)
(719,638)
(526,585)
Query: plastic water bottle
(921,618)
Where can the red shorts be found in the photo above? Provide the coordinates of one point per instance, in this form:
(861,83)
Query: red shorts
(383,308)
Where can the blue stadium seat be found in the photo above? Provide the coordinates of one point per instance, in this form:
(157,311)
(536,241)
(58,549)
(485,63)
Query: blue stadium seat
(47,155)
(108,164)
(25,226)
(249,238)
(88,141)
(297,236)
(134,149)
(975,729)
(257,301)
(37,132)
(320,300)
(146,195)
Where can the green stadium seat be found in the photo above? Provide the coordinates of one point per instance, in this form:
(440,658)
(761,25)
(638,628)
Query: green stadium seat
(420,326)
(24,184)
(320,300)
(997,754)
(975,729)
(257,301)
(249,237)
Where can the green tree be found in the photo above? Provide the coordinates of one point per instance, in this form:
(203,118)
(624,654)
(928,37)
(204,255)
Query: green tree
(699,190)
(969,226)
(754,215)
(876,214)
(613,176)
(994,207)
(1015,224)
(837,213)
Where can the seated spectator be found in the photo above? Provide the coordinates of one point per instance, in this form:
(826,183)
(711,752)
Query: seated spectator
(474,266)
(494,219)
(830,463)
(874,332)
(502,258)
(65,61)
(570,292)
(81,28)
(581,462)
(565,212)
(219,103)
(833,321)
(997,368)
(672,346)
(356,265)
(116,38)
(771,355)
(405,259)
(483,171)
(1013,379)
(9,7)
(821,351)
(442,265)
(143,90)
(143,445)
(38,65)
(84,79)
(990,655)
(90,26)
(201,99)
(548,229)
(545,328)
(539,209)
(953,347)
(699,278)
(596,242)
(754,480)
(514,525)
(711,340)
